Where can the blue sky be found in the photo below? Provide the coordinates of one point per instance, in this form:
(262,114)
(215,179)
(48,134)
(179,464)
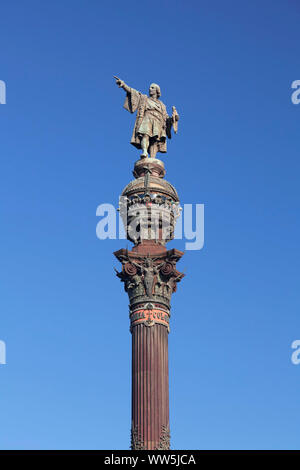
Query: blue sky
(228,68)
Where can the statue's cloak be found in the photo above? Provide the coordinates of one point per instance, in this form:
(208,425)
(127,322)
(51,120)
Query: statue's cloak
(136,101)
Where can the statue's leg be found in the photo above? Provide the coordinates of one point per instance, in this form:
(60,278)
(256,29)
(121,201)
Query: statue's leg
(145,145)
(153,149)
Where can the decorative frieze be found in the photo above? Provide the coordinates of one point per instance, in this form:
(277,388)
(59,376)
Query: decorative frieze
(137,442)
(164,440)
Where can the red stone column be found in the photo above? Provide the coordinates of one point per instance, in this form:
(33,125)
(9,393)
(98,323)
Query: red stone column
(150,387)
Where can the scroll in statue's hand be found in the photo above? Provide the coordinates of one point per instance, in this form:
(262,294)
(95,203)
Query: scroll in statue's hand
(175,115)
(175,118)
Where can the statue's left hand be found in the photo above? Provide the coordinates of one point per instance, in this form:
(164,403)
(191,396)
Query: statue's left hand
(175,119)
(175,115)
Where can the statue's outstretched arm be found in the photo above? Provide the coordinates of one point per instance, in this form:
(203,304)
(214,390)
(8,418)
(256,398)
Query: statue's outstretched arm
(122,84)
(137,265)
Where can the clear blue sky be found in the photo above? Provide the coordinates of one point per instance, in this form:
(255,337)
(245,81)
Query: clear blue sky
(228,68)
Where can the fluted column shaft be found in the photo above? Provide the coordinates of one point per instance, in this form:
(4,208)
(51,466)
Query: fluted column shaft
(150,387)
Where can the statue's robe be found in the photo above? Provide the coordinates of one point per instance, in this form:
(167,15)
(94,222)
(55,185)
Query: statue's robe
(151,119)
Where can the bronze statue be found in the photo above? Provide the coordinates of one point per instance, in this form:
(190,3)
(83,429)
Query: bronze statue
(152,125)
(149,271)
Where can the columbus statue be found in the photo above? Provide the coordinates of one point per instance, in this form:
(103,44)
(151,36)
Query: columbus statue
(153,124)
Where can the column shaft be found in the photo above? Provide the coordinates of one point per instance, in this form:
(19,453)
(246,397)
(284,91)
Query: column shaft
(150,387)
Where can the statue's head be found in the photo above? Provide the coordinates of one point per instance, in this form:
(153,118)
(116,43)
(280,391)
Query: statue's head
(154,90)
